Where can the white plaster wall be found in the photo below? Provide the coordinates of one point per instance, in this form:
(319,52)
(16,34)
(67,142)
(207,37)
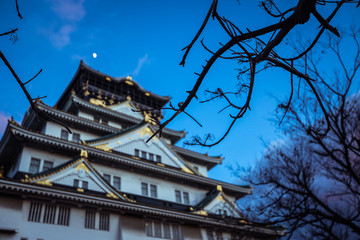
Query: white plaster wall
(10,216)
(201,169)
(131,183)
(114,124)
(85,115)
(91,117)
(53,129)
(28,153)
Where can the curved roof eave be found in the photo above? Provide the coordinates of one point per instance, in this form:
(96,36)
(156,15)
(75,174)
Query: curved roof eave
(83,66)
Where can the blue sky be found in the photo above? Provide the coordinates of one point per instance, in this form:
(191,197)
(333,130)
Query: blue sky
(143,39)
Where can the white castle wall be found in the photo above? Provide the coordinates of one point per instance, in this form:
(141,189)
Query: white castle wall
(53,129)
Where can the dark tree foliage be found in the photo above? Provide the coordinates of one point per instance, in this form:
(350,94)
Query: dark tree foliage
(310,181)
(255,50)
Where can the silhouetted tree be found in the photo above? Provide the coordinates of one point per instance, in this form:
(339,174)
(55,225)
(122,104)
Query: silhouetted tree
(12,34)
(255,50)
(310,179)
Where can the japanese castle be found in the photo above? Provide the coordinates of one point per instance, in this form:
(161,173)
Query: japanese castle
(104,180)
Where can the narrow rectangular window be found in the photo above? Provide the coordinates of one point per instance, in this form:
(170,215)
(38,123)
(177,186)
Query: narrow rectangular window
(107,178)
(178,196)
(47,165)
(210,234)
(35,212)
(85,184)
(149,228)
(64,216)
(137,152)
(34,165)
(158,158)
(143,155)
(186,197)
(117,183)
(49,214)
(219,236)
(151,157)
(157,228)
(90,219)
(104,122)
(176,232)
(76,183)
(167,231)
(76,137)
(96,119)
(153,191)
(144,189)
(64,134)
(104,221)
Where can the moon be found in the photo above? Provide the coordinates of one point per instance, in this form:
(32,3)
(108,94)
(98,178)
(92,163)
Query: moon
(94,55)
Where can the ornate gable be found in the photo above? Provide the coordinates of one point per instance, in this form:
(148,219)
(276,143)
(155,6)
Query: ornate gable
(78,173)
(133,141)
(217,203)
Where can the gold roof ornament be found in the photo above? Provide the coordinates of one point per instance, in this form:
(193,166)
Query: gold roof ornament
(129,82)
(98,102)
(129,77)
(148,118)
(83,154)
(108,79)
(128,98)
(104,147)
(219,188)
(1,171)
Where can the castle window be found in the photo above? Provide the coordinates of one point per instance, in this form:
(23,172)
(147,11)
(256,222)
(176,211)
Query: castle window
(167,230)
(222,212)
(103,121)
(35,212)
(157,228)
(47,165)
(85,184)
(64,134)
(117,183)
(107,178)
(158,158)
(186,197)
(96,119)
(153,191)
(178,196)
(76,137)
(143,154)
(151,157)
(34,165)
(90,219)
(212,235)
(64,216)
(144,189)
(76,183)
(49,214)
(163,230)
(104,221)
(137,152)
